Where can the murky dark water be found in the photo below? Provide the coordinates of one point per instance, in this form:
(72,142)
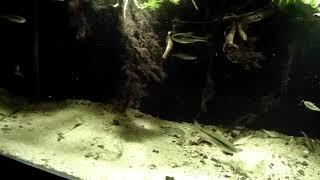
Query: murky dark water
(66,68)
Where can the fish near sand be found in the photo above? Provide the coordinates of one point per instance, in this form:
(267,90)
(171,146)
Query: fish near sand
(310,105)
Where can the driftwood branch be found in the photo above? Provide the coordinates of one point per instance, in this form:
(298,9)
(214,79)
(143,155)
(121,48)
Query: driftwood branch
(229,39)
(249,17)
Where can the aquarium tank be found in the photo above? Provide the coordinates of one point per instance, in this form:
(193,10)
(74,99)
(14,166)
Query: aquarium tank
(160,89)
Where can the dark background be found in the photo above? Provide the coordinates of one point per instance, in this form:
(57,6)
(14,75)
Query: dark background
(65,67)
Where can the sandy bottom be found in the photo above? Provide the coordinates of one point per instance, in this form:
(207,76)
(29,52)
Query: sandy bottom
(79,139)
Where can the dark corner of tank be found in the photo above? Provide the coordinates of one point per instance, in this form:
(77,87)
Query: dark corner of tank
(160,89)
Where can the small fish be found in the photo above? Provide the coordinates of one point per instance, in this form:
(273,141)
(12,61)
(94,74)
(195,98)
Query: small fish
(310,105)
(17,71)
(309,142)
(271,134)
(185,56)
(188,38)
(242,140)
(217,139)
(14,18)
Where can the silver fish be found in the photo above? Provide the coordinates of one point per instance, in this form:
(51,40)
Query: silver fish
(17,71)
(242,140)
(14,18)
(310,105)
(185,56)
(309,142)
(188,38)
(217,138)
(271,134)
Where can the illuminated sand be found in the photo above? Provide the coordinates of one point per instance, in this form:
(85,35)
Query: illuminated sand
(79,139)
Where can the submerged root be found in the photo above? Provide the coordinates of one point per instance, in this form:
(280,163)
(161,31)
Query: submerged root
(143,64)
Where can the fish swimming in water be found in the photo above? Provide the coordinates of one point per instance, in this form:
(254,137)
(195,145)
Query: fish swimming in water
(188,38)
(14,18)
(310,105)
(184,56)
(17,71)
